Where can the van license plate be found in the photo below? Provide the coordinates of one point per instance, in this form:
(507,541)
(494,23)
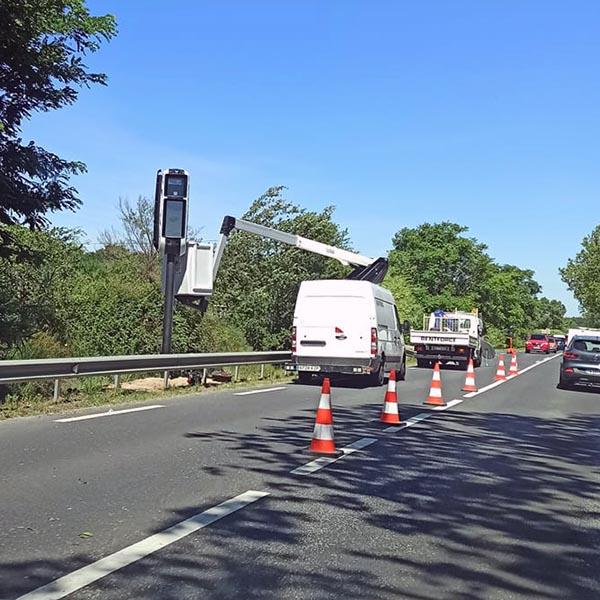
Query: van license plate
(439,348)
(308,368)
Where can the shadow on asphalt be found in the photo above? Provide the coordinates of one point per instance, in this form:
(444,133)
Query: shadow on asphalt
(470,506)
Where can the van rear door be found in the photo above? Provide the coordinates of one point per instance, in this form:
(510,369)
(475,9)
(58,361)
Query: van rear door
(335,326)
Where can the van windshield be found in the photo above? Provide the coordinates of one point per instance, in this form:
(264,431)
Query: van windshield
(333,311)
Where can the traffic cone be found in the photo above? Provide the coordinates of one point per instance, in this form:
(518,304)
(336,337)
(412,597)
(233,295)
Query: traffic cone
(500,372)
(435,392)
(514,367)
(322,441)
(470,378)
(390,413)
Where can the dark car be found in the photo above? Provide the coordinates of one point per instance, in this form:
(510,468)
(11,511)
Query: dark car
(560,343)
(581,363)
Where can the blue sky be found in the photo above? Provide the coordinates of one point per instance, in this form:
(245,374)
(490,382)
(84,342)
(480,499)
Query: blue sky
(486,113)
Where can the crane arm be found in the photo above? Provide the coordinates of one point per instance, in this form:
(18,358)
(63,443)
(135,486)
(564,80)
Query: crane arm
(361,263)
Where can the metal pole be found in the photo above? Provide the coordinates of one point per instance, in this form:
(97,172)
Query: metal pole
(169,298)
(56,390)
(262,371)
(116,381)
(236,373)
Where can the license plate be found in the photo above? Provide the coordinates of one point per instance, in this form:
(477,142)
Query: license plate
(440,348)
(312,368)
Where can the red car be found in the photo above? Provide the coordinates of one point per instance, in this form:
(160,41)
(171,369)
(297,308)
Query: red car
(539,342)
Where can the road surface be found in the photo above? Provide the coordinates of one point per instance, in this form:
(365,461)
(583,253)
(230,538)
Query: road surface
(495,497)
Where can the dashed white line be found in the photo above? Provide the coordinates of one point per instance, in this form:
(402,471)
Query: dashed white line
(109,413)
(261,391)
(105,566)
(323,461)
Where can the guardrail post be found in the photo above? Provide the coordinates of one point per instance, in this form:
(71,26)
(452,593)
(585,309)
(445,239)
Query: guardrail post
(262,371)
(56,392)
(236,372)
(166,380)
(116,381)
(204,376)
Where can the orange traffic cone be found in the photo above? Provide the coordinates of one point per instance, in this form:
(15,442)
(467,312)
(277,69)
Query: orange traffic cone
(470,379)
(514,367)
(435,392)
(390,412)
(500,372)
(322,441)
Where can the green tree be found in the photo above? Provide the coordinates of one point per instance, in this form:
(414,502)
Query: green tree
(258,280)
(582,275)
(32,287)
(444,268)
(550,314)
(42,46)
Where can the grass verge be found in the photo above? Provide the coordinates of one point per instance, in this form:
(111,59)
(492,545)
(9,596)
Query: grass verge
(29,399)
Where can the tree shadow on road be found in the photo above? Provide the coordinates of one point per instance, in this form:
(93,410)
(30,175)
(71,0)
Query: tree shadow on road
(465,505)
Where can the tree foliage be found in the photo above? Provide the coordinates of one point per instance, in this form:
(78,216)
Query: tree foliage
(42,47)
(582,275)
(442,268)
(258,279)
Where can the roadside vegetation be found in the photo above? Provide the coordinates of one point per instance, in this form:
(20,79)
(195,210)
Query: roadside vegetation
(59,297)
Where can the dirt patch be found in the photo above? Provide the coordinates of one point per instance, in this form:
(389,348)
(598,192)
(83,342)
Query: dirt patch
(153,384)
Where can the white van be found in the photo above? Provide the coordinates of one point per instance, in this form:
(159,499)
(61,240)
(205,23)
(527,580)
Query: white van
(346,327)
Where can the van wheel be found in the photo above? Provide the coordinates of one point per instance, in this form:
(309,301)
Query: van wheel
(377,378)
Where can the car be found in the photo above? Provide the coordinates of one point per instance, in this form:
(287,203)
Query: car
(561,342)
(538,342)
(580,363)
(552,344)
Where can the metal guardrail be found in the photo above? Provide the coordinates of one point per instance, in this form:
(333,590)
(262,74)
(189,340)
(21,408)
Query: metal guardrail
(14,371)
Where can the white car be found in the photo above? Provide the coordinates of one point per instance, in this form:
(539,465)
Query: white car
(346,327)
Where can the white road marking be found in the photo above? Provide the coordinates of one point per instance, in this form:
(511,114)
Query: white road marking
(408,423)
(275,389)
(109,413)
(445,407)
(105,566)
(323,461)
(510,378)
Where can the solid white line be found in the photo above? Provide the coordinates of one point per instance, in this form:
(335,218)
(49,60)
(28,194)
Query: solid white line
(408,423)
(105,566)
(275,389)
(497,383)
(323,461)
(447,406)
(109,413)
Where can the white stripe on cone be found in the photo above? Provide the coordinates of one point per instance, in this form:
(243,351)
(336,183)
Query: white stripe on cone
(323,432)
(391,408)
(435,393)
(324,402)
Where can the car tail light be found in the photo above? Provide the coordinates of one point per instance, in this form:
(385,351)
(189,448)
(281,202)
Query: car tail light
(293,339)
(570,355)
(462,350)
(569,370)
(374,341)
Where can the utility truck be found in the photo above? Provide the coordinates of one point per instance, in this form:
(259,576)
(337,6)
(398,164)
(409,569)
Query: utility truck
(449,337)
(346,327)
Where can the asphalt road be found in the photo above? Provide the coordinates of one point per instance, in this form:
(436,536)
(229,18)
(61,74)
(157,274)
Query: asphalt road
(496,497)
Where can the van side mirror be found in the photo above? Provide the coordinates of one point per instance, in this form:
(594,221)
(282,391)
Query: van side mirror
(406,327)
